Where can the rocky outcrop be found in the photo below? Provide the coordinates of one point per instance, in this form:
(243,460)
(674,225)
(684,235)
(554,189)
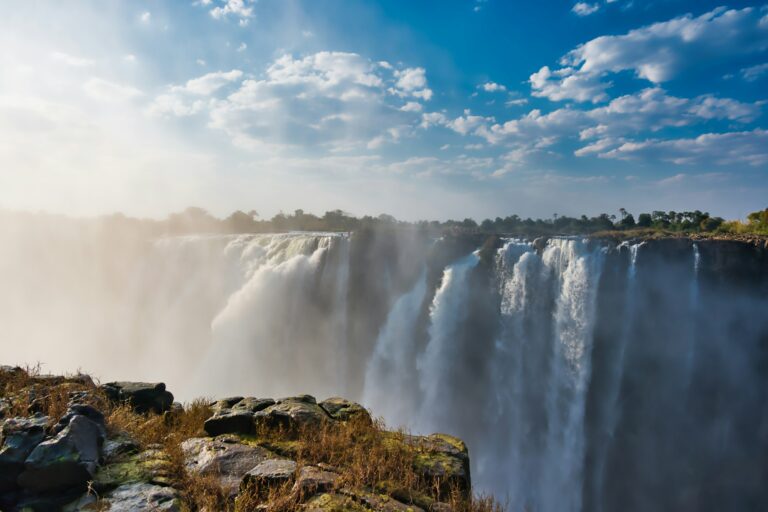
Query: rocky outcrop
(20,436)
(143,396)
(256,447)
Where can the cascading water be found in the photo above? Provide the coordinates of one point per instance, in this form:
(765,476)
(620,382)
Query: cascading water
(392,369)
(568,366)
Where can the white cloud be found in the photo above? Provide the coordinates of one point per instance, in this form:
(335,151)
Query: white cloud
(242,47)
(238,8)
(72,60)
(658,52)
(585,9)
(492,87)
(192,97)
(145,16)
(412,82)
(749,147)
(129,58)
(515,102)
(411,106)
(200,62)
(209,83)
(568,84)
(753,73)
(105,90)
(340,101)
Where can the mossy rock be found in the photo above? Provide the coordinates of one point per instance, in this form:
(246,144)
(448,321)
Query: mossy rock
(332,503)
(150,466)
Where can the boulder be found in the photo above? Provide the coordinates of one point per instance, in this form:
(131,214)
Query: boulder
(312,480)
(269,474)
(224,458)
(235,415)
(343,410)
(444,460)
(152,465)
(143,396)
(292,414)
(142,496)
(378,502)
(66,461)
(19,437)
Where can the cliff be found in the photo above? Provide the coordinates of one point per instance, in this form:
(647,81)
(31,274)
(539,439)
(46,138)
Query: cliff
(70,444)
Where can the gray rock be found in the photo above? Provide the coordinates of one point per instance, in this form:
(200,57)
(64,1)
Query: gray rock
(377,502)
(224,458)
(142,496)
(19,437)
(269,474)
(291,414)
(117,446)
(143,396)
(235,415)
(312,480)
(344,410)
(66,461)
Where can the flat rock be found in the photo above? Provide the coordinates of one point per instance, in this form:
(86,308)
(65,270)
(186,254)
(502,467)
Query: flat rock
(66,461)
(343,410)
(378,502)
(143,396)
(268,474)
(149,466)
(19,437)
(313,479)
(224,458)
(142,496)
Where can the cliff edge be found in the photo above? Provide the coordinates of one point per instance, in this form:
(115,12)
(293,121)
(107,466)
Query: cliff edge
(69,444)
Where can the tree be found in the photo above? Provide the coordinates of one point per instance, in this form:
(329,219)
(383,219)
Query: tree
(644,220)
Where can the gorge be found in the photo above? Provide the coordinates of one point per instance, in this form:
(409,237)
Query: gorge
(584,374)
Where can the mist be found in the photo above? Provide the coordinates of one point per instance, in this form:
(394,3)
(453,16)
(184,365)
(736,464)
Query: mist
(582,374)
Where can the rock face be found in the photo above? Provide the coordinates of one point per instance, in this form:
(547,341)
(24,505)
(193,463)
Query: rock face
(444,460)
(20,436)
(66,461)
(143,396)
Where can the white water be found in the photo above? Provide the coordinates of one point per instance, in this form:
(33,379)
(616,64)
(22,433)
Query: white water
(391,372)
(502,355)
(548,315)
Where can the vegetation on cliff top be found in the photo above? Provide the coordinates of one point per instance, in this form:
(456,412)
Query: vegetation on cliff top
(349,462)
(658,223)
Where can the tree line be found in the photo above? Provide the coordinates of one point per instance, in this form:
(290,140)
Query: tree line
(197,220)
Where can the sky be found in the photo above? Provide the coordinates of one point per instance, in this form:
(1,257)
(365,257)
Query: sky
(420,109)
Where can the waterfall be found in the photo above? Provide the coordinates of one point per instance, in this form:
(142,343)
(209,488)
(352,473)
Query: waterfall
(273,334)
(390,378)
(436,366)
(694,310)
(616,371)
(542,370)
(583,374)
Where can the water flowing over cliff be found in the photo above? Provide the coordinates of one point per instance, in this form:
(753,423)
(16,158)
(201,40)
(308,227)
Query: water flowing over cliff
(585,375)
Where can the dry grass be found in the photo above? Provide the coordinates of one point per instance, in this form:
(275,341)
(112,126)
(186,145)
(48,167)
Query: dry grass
(365,455)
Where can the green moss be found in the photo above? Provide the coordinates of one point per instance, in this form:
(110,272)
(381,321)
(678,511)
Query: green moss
(333,503)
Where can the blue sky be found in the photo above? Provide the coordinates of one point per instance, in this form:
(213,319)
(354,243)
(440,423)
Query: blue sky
(429,109)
